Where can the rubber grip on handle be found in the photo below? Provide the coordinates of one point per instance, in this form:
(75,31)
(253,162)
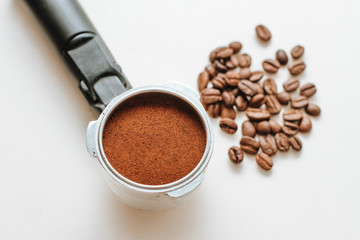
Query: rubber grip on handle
(84,51)
(62,19)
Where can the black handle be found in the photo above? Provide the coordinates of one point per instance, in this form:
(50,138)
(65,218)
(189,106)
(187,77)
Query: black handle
(101,79)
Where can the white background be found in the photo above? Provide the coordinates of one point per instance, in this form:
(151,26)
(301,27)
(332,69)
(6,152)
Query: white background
(52,189)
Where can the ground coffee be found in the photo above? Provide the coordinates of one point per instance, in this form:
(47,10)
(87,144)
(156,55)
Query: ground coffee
(154,139)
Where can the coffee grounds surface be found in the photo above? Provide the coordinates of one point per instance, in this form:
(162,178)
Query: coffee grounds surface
(154,139)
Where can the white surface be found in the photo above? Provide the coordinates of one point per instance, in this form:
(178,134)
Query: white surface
(52,189)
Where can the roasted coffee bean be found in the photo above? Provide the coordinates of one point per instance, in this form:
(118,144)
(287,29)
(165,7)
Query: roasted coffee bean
(282,57)
(247,87)
(297,67)
(228,98)
(248,129)
(271,66)
(272,104)
(241,103)
(232,78)
(214,110)
(224,53)
(297,51)
(305,124)
(256,76)
(308,90)
(211,70)
(249,145)
(274,126)
(228,125)
(259,89)
(228,112)
(213,53)
(299,102)
(210,95)
(282,142)
(229,64)
(235,92)
(291,85)
(264,161)
(212,56)
(219,66)
(263,127)
(219,81)
(290,128)
(263,32)
(257,100)
(292,115)
(245,73)
(233,82)
(236,155)
(312,109)
(235,60)
(269,86)
(257,114)
(244,60)
(295,143)
(268,145)
(203,80)
(233,74)
(283,97)
(235,46)
(204,104)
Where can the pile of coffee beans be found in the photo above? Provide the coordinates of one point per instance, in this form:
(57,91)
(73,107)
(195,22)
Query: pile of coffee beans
(227,84)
